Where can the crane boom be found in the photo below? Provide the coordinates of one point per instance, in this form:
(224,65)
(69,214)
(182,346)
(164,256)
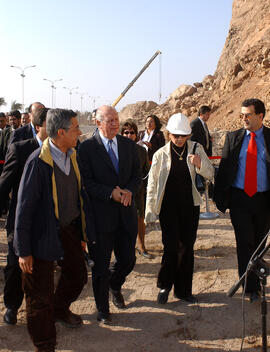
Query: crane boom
(136,77)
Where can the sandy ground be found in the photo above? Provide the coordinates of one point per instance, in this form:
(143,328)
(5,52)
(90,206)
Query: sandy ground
(214,324)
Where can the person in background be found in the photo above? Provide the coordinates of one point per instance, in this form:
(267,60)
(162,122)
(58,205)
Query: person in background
(200,132)
(3,121)
(152,138)
(172,197)
(25,118)
(130,130)
(28,131)
(16,157)
(14,118)
(50,225)
(242,185)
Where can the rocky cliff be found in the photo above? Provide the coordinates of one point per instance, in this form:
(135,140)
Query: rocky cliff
(243,71)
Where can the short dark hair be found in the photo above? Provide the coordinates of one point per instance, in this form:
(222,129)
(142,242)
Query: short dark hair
(2,114)
(129,123)
(204,109)
(58,119)
(39,117)
(15,113)
(30,106)
(157,122)
(257,103)
(25,113)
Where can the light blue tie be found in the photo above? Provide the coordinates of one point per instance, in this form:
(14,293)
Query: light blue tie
(113,156)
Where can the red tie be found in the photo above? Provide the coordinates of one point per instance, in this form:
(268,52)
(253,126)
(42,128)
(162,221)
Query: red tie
(251,167)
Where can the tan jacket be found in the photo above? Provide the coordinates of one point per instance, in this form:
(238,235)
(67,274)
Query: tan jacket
(159,173)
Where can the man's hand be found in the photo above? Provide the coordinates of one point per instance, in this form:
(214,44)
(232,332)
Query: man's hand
(116,194)
(26,264)
(123,196)
(195,160)
(126,197)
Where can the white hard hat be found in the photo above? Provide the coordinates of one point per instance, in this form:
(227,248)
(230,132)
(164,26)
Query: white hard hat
(179,124)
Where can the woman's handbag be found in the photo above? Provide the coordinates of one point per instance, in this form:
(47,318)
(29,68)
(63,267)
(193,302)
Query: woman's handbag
(199,180)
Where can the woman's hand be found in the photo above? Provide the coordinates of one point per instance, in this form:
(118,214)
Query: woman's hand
(195,160)
(149,145)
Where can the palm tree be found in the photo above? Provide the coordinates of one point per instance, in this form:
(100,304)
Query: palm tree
(2,102)
(15,105)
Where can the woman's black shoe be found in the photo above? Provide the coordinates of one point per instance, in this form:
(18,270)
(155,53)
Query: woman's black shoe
(163,295)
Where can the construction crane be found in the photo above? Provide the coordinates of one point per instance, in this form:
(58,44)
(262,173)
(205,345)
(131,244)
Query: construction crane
(135,79)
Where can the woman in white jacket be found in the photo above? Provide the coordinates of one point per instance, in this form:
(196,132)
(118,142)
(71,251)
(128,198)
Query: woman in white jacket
(172,197)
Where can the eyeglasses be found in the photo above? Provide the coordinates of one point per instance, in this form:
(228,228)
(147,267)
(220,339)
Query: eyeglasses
(179,135)
(248,115)
(128,132)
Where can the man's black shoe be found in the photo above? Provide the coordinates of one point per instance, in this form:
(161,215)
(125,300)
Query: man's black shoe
(189,298)
(104,318)
(10,316)
(163,295)
(254,297)
(118,299)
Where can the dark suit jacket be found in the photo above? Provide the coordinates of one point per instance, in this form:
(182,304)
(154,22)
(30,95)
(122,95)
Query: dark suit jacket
(157,140)
(229,165)
(10,178)
(5,138)
(22,133)
(99,178)
(199,135)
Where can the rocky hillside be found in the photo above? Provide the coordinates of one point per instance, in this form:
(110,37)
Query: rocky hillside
(242,72)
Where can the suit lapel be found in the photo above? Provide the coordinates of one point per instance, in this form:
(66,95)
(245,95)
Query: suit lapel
(266,133)
(238,142)
(101,150)
(121,154)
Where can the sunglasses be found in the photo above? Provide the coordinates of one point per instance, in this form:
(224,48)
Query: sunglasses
(179,135)
(248,115)
(128,132)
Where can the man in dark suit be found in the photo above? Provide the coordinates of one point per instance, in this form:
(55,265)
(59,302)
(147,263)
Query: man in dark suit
(14,118)
(17,155)
(3,121)
(110,171)
(28,131)
(200,132)
(243,185)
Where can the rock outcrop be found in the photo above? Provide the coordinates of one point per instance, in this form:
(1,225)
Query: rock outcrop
(242,72)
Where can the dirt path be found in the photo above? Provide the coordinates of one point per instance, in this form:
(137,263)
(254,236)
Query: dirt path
(214,324)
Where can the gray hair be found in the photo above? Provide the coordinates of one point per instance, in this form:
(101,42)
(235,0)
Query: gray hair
(58,119)
(102,110)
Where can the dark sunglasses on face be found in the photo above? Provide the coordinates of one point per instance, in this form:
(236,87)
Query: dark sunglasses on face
(128,132)
(179,135)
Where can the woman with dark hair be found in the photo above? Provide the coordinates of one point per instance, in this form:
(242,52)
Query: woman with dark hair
(172,197)
(152,138)
(129,129)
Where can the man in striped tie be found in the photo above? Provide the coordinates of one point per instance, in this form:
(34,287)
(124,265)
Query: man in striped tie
(243,186)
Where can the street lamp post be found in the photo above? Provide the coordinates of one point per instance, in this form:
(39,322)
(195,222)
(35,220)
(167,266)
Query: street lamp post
(52,85)
(22,75)
(70,94)
(81,97)
(94,101)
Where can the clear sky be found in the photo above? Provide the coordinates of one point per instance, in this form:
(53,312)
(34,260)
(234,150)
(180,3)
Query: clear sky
(101,45)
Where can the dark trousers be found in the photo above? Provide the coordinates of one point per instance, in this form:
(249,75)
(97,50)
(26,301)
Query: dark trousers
(179,226)
(42,303)
(250,218)
(13,293)
(112,276)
